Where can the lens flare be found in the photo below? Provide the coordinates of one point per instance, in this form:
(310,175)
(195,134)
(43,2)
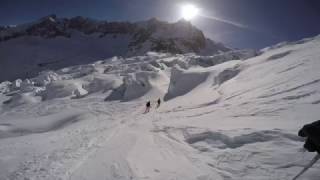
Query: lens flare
(189,11)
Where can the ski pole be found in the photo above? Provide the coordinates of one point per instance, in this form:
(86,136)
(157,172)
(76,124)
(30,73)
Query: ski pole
(312,162)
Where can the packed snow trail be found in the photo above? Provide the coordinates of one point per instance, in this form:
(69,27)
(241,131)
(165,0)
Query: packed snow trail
(54,154)
(139,150)
(112,141)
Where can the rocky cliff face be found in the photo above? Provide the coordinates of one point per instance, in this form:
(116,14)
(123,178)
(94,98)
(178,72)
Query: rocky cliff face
(53,42)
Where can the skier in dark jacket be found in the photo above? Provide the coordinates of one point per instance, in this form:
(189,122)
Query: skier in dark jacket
(312,134)
(148,106)
(158,103)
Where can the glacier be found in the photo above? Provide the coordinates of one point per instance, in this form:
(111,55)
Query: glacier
(221,118)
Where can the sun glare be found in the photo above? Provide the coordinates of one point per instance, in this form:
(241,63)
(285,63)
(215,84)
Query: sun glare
(189,11)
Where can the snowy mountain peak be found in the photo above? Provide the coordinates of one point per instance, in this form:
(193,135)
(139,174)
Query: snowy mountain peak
(184,22)
(51,17)
(52,42)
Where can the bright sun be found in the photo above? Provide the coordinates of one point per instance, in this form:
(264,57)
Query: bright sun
(189,11)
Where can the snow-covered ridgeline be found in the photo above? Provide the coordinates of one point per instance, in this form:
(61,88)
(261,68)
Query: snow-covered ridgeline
(54,43)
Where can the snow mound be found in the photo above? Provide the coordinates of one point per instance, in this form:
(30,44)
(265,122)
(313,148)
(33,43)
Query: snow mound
(182,82)
(185,81)
(227,74)
(5,87)
(22,127)
(173,61)
(45,77)
(150,76)
(102,83)
(279,55)
(222,141)
(140,84)
(21,99)
(207,61)
(288,44)
(61,89)
(15,84)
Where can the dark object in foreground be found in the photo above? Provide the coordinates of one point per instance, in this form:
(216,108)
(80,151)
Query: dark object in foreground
(312,133)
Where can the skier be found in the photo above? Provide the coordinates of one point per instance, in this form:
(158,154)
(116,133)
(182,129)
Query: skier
(158,103)
(148,106)
(312,134)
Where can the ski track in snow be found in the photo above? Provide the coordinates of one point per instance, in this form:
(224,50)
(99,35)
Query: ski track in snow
(140,148)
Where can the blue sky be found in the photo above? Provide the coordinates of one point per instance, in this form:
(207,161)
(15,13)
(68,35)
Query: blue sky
(252,23)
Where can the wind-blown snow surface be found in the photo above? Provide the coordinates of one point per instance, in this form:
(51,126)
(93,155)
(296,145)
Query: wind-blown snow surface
(235,120)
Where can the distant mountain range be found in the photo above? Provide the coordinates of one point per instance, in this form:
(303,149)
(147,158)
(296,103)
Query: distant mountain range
(52,42)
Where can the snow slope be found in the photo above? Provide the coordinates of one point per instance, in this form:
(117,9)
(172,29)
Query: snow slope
(237,120)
